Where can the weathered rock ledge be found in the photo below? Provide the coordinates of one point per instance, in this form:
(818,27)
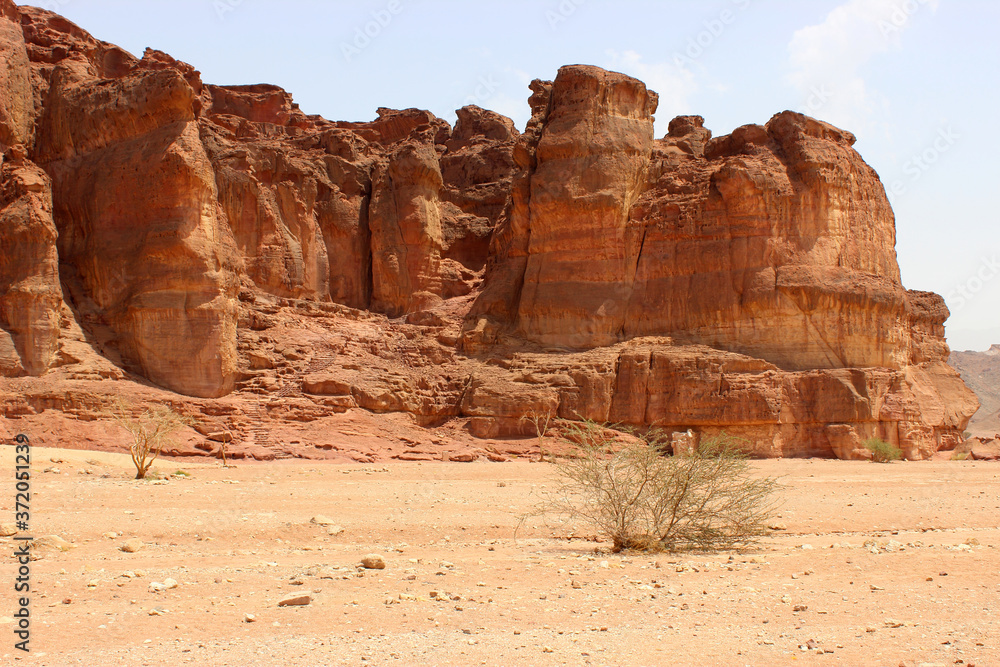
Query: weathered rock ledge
(401,287)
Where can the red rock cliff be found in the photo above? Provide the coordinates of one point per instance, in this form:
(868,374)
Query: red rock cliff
(219,242)
(774,241)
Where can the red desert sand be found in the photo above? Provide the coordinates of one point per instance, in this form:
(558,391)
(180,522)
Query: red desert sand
(867,564)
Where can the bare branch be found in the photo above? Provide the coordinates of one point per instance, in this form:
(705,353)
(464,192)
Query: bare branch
(150,429)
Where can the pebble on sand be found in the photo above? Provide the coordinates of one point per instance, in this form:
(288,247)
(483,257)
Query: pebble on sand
(321,520)
(132,545)
(167,584)
(295,601)
(373,562)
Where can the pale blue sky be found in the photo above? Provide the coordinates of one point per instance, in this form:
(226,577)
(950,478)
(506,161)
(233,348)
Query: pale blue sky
(910,78)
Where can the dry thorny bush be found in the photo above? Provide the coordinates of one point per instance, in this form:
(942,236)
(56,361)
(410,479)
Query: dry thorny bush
(629,487)
(150,429)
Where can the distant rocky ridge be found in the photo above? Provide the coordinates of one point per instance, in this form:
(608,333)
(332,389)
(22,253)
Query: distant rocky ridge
(981,372)
(283,277)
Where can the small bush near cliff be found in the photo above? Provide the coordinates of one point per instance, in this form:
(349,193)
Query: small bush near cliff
(629,488)
(882,451)
(150,429)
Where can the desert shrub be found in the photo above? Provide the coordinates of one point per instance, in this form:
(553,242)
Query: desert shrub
(540,422)
(150,428)
(882,451)
(631,490)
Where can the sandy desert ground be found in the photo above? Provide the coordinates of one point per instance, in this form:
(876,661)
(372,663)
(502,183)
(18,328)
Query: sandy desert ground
(877,565)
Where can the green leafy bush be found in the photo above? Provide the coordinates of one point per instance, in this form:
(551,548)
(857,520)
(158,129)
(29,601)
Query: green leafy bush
(882,451)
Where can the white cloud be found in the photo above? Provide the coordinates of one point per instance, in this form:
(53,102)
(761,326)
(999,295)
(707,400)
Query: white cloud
(827,60)
(674,83)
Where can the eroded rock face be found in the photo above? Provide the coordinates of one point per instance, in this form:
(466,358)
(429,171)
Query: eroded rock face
(825,412)
(406,231)
(202,184)
(476,169)
(16,99)
(590,167)
(583,172)
(295,192)
(220,242)
(393,215)
(776,242)
(30,295)
(140,235)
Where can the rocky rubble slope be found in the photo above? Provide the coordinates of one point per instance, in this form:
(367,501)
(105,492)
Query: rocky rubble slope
(401,287)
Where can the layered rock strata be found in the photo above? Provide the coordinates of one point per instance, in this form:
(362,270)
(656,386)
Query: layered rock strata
(286,270)
(30,295)
(776,241)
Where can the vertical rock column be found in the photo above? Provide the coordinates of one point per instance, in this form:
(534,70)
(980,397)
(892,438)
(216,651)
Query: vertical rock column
(406,234)
(30,296)
(139,224)
(591,167)
(16,102)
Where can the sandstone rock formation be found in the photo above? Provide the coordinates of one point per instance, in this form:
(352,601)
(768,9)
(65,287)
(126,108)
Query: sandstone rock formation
(776,242)
(16,101)
(30,295)
(390,215)
(139,228)
(285,278)
(583,165)
(724,242)
(985,450)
